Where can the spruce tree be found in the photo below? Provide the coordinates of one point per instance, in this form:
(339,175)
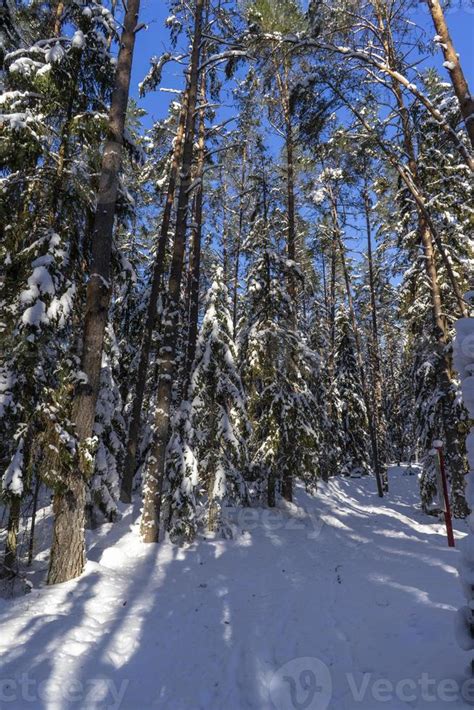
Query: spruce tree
(355,456)
(277,367)
(214,435)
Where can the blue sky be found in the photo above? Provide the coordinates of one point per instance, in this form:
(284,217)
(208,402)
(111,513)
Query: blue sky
(155,40)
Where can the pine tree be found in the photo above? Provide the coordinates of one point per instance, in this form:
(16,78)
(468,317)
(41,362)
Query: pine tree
(67,552)
(52,87)
(153,487)
(280,16)
(156,285)
(453,65)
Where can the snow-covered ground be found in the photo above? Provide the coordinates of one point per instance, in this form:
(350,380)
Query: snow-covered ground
(343,601)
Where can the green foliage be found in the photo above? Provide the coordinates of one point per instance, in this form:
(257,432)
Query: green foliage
(278,16)
(353,414)
(277,368)
(208,452)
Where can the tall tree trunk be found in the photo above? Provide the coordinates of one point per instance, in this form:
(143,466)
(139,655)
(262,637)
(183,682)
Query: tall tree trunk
(329,300)
(376,398)
(156,285)
(291,246)
(331,321)
(287,482)
(150,522)
(67,551)
(290,170)
(58,18)
(238,245)
(195,270)
(453,65)
(332,310)
(194,292)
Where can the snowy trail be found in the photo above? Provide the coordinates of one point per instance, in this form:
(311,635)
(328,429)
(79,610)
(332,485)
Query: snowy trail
(356,596)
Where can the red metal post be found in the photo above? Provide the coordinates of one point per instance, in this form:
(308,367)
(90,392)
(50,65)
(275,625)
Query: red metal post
(447,508)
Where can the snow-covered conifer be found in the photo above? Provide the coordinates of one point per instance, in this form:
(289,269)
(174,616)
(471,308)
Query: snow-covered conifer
(355,450)
(464,364)
(209,449)
(277,366)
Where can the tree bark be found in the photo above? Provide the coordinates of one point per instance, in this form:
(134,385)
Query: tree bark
(67,551)
(287,482)
(453,65)
(191,308)
(291,247)
(58,18)
(156,284)
(238,245)
(332,310)
(150,521)
(195,270)
(375,351)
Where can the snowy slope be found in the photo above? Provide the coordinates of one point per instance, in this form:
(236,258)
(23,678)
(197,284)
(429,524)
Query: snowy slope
(349,605)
